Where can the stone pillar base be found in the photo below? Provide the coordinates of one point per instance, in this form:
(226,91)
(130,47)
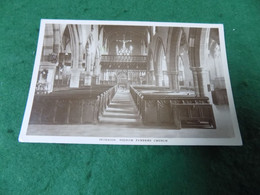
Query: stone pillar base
(158,80)
(74,78)
(174,81)
(201,81)
(96,80)
(88,80)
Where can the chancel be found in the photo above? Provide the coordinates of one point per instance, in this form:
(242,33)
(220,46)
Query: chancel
(134,76)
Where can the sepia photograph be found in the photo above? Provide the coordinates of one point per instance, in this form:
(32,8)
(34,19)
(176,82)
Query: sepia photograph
(130,83)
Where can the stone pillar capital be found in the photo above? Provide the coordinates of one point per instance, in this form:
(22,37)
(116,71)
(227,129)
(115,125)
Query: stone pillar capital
(197,69)
(173,72)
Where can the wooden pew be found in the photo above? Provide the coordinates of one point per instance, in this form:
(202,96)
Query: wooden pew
(177,111)
(75,106)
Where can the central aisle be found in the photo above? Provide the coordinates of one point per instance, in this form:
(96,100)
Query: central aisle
(121,111)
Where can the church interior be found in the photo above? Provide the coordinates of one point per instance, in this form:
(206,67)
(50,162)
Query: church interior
(113,79)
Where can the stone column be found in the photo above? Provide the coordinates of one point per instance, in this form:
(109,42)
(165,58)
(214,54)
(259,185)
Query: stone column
(88,75)
(195,81)
(201,81)
(88,79)
(149,78)
(97,79)
(152,78)
(50,79)
(80,55)
(74,78)
(174,81)
(158,78)
(76,66)
(96,75)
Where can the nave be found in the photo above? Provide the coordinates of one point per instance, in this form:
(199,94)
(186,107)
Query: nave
(109,80)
